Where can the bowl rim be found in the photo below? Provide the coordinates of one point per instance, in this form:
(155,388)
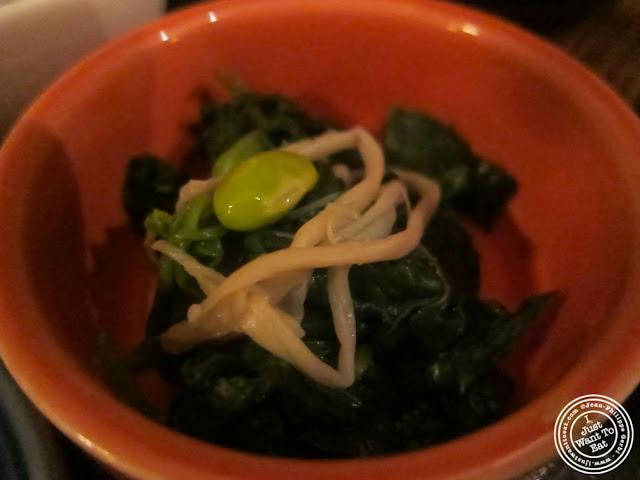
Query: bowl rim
(157,459)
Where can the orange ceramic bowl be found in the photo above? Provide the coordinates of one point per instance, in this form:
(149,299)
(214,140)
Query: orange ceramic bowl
(71,268)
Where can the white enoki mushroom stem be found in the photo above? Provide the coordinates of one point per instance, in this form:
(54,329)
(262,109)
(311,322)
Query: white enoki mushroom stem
(356,198)
(249,311)
(193,188)
(344,253)
(352,230)
(344,320)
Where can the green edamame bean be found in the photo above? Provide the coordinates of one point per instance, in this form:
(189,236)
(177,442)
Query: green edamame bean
(263,189)
(246,147)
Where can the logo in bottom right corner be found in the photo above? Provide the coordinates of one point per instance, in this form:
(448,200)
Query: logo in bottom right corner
(593,434)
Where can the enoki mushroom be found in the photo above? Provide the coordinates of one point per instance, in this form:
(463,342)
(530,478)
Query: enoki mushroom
(264,299)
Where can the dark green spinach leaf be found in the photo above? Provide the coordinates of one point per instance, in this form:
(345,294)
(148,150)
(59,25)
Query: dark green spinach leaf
(472,186)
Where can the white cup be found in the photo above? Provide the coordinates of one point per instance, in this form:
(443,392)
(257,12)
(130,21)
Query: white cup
(39,39)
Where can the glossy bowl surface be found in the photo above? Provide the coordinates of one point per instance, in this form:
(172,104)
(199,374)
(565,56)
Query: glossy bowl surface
(71,268)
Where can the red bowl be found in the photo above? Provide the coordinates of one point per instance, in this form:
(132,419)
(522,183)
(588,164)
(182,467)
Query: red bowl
(71,268)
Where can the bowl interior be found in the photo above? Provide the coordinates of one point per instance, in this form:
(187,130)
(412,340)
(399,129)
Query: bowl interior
(74,269)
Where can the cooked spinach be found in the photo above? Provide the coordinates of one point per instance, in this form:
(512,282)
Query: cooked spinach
(471,185)
(427,345)
(279,119)
(149,184)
